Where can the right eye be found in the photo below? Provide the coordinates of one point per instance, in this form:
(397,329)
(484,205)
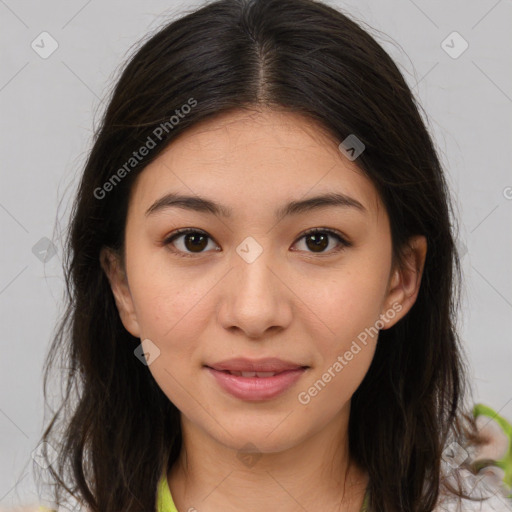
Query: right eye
(190,241)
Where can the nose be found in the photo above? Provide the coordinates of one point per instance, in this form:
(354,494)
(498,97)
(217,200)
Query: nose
(254,298)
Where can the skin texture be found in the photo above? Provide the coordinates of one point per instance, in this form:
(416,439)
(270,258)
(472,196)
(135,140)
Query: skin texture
(290,302)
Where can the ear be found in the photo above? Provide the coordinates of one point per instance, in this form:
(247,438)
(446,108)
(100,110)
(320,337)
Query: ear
(111,264)
(404,283)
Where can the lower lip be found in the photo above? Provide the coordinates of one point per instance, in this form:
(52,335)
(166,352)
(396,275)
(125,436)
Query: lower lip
(256,388)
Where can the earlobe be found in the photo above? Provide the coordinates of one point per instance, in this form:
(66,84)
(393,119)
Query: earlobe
(111,265)
(405,281)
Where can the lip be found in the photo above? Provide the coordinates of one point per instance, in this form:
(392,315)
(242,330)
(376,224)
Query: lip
(268,364)
(287,373)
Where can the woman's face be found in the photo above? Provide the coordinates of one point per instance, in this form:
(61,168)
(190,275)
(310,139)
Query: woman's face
(249,283)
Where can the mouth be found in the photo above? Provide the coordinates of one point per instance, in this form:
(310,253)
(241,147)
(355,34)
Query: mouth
(256,385)
(263,368)
(259,375)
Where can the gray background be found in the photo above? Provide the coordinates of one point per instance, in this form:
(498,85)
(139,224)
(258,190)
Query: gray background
(50,106)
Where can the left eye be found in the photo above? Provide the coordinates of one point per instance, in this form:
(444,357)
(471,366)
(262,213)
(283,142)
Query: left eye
(318,239)
(194,241)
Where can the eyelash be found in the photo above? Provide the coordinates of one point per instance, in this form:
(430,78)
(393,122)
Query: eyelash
(179,232)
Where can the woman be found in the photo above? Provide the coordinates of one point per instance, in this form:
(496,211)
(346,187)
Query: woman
(262,280)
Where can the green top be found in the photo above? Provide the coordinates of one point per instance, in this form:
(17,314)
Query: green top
(165,502)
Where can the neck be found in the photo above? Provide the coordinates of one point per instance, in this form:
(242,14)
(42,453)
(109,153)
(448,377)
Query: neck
(316,474)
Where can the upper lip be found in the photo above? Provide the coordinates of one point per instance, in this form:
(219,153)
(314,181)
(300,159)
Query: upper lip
(269,364)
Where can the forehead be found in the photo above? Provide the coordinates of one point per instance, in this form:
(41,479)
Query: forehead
(243,157)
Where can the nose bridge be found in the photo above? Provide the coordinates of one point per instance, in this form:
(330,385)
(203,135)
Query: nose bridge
(250,250)
(252,263)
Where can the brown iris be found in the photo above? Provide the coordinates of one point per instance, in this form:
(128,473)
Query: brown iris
(319,241)
(197,241)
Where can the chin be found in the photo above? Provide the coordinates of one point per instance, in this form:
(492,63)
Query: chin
(250,439)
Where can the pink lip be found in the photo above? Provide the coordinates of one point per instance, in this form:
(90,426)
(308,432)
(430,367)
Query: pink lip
(256,388)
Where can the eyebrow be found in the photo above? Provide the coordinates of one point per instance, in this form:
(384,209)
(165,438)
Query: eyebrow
(204,205)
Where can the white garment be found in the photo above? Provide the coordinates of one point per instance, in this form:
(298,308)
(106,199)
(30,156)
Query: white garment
(484,485)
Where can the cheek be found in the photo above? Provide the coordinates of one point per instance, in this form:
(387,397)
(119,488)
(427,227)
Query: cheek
(173,312)
(173,316)
(349,302)
(170,303)
(350,309)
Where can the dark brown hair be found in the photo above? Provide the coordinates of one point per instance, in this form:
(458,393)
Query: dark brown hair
(116,431)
